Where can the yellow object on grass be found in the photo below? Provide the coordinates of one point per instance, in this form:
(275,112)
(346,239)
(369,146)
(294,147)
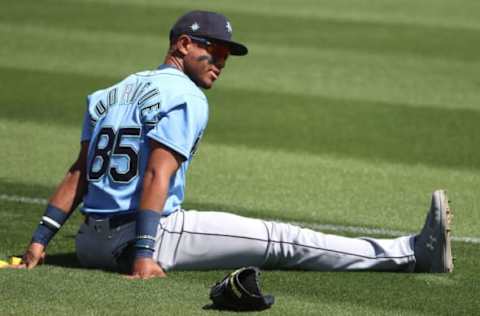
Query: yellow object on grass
(15,260)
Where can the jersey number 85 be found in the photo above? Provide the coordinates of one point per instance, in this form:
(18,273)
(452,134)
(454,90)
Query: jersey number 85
(114,148)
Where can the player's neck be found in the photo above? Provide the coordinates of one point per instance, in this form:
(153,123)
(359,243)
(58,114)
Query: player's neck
(174,61)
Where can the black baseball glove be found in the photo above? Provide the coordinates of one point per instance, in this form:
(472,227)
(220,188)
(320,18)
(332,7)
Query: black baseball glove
(240,291)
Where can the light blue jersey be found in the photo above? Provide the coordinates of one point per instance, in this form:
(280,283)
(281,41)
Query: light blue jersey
(163,105)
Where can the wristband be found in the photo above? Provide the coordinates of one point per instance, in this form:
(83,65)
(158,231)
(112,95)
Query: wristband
(51,222)
(146,226)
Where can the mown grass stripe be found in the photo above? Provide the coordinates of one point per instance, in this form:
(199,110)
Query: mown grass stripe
(377,73)
(433,13)
(288,121)
(318,227)
(424,81)
(23,199)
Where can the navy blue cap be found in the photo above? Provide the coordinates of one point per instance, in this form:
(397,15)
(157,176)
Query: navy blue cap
(209,25)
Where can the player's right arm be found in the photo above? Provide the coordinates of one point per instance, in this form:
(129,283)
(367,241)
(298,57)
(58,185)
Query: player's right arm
(62,203)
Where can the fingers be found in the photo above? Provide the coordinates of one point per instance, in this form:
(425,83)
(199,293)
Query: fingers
(146,268)
(33,257)
(25,264)
(36,261)
(17,266)
(13,263)
(145,274)
(137,277)
(29,260)
(30,264)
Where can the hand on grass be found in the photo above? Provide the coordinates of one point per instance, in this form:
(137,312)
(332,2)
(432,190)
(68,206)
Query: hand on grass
(34,255)
(146,268)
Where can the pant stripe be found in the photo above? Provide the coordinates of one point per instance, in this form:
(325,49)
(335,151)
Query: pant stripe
(289,243)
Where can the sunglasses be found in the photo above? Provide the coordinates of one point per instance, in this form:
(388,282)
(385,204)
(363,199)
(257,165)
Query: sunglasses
(217,50)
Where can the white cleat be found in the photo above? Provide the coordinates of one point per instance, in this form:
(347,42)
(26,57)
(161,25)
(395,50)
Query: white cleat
(433,252)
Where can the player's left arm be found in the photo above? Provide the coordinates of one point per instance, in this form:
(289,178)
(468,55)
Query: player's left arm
(172,141)
(62,203)
(162,164)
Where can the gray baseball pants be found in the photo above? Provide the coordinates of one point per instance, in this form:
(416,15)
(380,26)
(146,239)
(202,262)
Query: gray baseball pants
(191,240)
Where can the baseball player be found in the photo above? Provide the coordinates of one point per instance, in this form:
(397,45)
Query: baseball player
(137,141)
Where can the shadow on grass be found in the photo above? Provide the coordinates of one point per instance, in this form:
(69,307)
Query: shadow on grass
(64,260)
(70,261)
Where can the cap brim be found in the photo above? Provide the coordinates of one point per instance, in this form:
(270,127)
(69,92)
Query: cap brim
(236,49)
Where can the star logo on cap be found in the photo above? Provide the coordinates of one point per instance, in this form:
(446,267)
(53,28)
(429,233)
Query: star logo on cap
(195,26)
(229,27)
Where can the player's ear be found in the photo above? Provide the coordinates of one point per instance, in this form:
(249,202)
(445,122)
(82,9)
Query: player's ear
(182,45)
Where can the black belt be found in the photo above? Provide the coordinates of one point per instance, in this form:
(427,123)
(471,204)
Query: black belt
(114,220)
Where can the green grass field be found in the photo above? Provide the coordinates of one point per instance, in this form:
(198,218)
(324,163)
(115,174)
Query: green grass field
(345,116)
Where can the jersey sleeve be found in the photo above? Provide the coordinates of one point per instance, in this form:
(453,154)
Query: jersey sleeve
(87,124)
(182,125)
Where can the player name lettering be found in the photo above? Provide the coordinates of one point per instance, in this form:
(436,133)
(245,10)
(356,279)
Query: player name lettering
(131,94)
